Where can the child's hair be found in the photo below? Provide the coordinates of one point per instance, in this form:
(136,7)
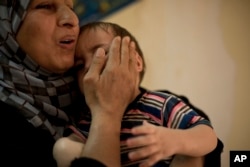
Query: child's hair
(117,31)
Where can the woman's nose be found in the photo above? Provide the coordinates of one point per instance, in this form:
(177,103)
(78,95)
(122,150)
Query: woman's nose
(67,17)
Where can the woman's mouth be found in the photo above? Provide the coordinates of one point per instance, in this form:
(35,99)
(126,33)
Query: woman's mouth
(68,42)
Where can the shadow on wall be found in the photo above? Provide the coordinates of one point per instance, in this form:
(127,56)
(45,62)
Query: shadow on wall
(94,10)
(235,25)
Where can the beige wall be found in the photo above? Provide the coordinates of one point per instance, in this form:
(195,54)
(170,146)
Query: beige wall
(200,49)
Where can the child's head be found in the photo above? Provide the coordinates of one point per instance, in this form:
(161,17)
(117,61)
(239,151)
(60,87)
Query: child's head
(100,34)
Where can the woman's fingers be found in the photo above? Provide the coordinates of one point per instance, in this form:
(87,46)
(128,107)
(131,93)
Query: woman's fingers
(97,65)
(125,52)
(114,55)
(108,76)
(91,81)
(132,57)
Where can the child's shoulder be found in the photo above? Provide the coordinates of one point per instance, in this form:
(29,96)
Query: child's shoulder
(159,94)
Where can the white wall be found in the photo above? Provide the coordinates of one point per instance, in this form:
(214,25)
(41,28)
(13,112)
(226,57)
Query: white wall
(200,49)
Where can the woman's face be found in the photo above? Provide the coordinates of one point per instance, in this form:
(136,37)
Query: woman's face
(49,34)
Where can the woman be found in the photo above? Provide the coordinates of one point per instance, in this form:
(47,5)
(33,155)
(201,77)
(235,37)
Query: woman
(37,89)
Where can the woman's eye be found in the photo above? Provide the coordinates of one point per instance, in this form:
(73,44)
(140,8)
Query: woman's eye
(71,7)
(44,6)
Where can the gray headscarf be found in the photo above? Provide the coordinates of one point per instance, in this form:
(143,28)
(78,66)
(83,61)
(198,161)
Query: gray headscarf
(38,94)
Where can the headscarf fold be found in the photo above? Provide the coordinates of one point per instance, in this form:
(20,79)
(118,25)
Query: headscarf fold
(41,97)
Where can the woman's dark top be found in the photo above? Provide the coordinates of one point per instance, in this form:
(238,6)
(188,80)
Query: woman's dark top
(24,145)
(21,143)
(86,162)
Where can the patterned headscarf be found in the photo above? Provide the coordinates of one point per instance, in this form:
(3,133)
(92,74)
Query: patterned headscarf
(39,95)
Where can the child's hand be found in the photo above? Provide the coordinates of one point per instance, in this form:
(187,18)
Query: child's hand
(156,143)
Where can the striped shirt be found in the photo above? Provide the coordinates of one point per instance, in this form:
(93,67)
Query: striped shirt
(158,108)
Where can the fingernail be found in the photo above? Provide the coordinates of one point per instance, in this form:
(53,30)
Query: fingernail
(132,44)
(127,38)
(118,38)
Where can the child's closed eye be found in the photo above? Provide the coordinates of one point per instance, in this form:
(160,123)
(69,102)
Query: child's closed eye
(79,64)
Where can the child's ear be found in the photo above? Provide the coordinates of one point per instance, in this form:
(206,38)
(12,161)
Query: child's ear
(139,63)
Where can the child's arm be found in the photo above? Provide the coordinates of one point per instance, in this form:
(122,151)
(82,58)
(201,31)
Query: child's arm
(66,149)
(161,142)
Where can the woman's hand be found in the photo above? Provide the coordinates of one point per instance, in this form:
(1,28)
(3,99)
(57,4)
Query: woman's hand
(109,86)
(110,83)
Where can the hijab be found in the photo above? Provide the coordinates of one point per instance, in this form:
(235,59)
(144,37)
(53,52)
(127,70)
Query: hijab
(40,96)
